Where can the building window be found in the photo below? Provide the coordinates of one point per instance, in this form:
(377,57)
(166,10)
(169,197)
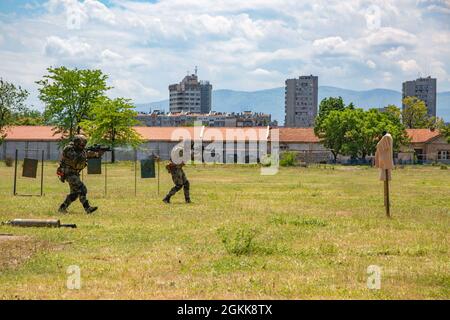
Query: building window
(443,155)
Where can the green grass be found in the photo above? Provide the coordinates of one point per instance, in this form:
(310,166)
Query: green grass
(305,233)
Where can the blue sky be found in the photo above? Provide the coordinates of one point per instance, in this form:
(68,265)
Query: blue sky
(244,45)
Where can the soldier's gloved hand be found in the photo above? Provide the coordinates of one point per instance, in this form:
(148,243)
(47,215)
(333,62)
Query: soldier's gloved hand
(100,153)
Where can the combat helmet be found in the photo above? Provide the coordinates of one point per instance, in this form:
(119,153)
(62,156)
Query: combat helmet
(79,141)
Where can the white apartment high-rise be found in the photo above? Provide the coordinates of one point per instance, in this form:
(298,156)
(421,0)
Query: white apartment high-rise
(190,95)
(301,101)
(424,89)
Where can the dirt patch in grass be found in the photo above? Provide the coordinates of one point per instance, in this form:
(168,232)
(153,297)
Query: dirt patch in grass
(15,250)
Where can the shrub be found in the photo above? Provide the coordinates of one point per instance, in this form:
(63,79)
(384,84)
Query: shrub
(288,159)
(443,167)
(266,160)
(238,241)
(9,161)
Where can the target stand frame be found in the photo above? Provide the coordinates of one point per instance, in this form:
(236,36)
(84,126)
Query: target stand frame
(157,159)
(15,175)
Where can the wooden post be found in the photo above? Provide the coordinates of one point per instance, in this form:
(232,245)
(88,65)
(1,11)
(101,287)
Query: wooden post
(135,172)
(15,174)
(106,174)
(158,176)
(42,174)
(386,194)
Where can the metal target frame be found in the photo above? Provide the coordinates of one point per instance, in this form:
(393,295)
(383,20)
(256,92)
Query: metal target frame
(158,160)
(104,163)
(42,174)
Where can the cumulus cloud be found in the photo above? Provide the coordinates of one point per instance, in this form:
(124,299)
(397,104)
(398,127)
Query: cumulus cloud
(371,64)
(133,87)
(242,45)
(409,66)
(331,46)
(71,47)
(391,37)
(261,72)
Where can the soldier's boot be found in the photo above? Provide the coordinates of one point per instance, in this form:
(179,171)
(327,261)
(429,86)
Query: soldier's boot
(88,208)
(188,200)
(166,199)
(62,208)
(91,210)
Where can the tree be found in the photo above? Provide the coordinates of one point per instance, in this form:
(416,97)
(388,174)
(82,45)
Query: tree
(394,112)
(415,113)
(112,124)
(328,126)
(332,132)
(444,129)
(28,117)
(68,96)
(326,106)
(12,99)
(366,130)
(355,132)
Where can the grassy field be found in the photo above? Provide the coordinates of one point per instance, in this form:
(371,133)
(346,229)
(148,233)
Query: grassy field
(305,233)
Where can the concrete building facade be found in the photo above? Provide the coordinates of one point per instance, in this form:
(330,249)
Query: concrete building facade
(424,89)
(190,95)
(212,119)
(301,101)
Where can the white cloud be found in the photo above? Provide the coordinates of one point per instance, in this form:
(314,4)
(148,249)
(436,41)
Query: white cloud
(110,55)
(72,47)
(261,72)
(243,45)
(371,64)
(393,53)
(391,37)
(330,44)
(409,66)
(134,88)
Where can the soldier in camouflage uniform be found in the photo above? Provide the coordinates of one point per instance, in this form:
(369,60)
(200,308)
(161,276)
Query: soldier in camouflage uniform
(180,181)
(74,160)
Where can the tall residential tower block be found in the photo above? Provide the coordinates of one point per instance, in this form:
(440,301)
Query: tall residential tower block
(424,89)
(301,101)
(190,95)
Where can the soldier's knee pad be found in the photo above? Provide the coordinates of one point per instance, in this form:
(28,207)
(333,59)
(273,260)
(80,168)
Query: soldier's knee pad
(178,186)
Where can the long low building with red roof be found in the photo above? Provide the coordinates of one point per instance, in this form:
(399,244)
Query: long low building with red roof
(426,145)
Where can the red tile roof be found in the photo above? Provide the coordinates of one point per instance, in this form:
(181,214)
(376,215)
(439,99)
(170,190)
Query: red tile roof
(286,135)
(31,133)
(298,135)
(422,135)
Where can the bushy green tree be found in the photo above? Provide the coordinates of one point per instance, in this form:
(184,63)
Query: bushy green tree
(415,113)
(366,130)
(328,126)
(354,132)
(445,131)
(68,95)
(12,100)
(111,123)
(326,106)
(28,117)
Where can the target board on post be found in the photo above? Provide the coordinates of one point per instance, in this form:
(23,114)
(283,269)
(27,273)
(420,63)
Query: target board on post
(148,168)
(94,166)
(29,169)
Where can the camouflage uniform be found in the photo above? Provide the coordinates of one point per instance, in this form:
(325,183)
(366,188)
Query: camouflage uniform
(73,161)
(180,181)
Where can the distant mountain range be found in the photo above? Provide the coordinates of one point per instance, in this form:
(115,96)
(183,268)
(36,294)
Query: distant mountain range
(272,101)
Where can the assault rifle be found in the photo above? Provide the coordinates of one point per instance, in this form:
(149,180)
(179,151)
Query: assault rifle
(38,223)
(98,148)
